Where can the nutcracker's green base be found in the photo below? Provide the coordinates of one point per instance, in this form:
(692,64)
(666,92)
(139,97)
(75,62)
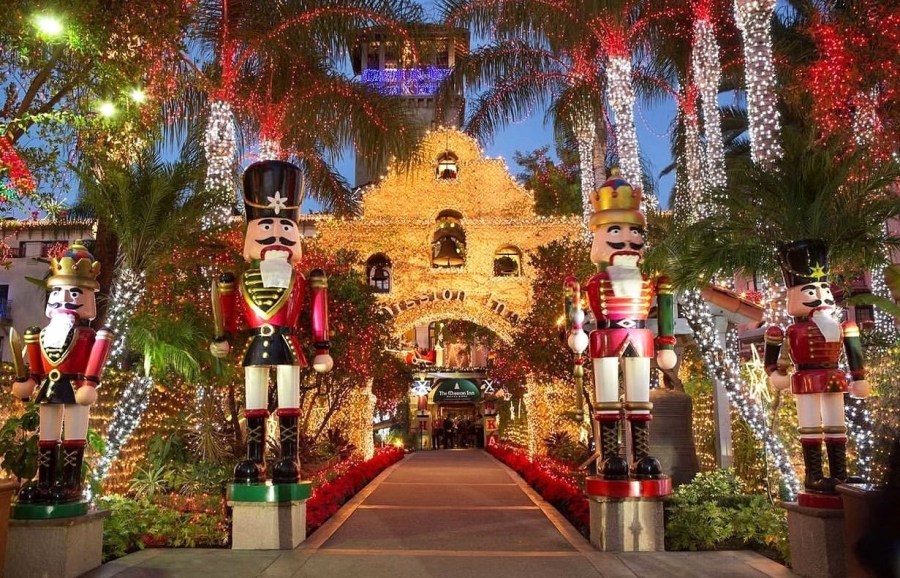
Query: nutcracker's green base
(48,511)
(269,492)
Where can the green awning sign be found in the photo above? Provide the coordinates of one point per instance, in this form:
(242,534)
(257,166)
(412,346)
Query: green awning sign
(456,390)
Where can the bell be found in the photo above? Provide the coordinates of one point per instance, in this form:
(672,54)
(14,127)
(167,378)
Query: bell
(447,254)
(379,274)
(507,266)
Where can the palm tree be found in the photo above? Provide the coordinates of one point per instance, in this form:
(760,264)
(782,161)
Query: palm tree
(278,66)
(149,207)
(814,191)
(540,57)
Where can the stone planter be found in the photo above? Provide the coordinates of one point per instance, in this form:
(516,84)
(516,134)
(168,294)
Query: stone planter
(7,489)
(863,504)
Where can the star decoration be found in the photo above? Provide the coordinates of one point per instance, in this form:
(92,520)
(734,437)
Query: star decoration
(277,202)
(817,272)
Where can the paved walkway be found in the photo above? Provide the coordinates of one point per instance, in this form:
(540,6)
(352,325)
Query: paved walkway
(448,514)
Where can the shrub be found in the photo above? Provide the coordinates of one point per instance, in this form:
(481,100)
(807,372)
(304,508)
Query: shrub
(714,512)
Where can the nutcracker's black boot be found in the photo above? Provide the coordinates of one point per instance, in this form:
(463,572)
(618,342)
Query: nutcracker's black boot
(644,467)
(812,460)
(253,469)
(287,469)
(69,488)
(38,492)
(837,460)
(613,466)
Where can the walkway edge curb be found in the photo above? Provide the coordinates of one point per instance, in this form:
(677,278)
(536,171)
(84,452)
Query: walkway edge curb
(326,530)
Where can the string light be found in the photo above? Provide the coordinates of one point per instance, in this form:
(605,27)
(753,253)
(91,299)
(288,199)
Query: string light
(622,101)
(220,146)
(753,18)
(708,76)
(723,366)
(585,137)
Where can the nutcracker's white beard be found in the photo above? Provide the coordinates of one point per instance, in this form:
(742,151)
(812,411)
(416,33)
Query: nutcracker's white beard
(626,279)
(275,269)
(827,324)
(61,325)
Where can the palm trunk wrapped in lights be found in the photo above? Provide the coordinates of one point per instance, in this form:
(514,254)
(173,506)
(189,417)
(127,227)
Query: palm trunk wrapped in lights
(220,146)
(754,18)
(127,291)
(723,365)
(585,136)
(622,101)
(708,76)
(130,407)
(697,197)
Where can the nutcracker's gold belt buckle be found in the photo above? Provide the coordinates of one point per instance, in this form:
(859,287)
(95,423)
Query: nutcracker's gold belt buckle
(54,374)
(266,329)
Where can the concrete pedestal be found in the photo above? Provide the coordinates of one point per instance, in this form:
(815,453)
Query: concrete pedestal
(268,525)
(58,547)
(817,541)
(627,524)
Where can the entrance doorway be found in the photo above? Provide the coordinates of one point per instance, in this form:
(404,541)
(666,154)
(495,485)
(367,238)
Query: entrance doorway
(462,426)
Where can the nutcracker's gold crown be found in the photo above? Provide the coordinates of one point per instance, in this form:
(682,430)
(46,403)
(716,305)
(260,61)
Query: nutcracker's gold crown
(615,201)
(75,267)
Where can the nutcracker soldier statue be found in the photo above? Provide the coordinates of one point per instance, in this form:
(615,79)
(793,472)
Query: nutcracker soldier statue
(620,296)
(66,361)
(271,295)
(813,345)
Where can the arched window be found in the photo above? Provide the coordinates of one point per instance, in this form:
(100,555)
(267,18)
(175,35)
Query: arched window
(508,262)
(448,244)
(379,273)
(447,166)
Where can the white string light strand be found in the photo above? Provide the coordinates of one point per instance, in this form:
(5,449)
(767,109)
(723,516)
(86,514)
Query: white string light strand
(753,19)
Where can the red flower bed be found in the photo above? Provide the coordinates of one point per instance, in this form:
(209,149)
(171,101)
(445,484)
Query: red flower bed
(551,480)
(333,487)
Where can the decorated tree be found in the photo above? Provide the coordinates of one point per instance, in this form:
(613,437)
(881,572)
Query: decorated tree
(555,186)
(74,77)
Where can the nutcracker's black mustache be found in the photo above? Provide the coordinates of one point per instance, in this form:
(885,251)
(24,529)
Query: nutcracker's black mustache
(620,246)
(817,303)
(69,306)
(273,240)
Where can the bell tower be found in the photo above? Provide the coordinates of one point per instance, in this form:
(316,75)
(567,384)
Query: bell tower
(411,70)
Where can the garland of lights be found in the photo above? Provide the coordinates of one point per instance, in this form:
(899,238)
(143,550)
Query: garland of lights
(723,365)
(696,184)
(586,137)
(124,297)
(126,294)
(708,76)
(753,18)
(130,406)
(220,146)
(622,100)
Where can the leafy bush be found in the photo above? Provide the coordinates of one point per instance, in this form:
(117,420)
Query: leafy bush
(181,523)
(561,446)
(714,512)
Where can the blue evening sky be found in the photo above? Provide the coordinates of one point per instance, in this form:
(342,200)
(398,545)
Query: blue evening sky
(528,134)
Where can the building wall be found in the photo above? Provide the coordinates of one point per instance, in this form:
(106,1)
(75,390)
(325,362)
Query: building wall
(399,220)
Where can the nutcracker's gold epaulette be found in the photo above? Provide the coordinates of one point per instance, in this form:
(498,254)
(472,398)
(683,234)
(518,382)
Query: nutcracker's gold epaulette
(664,285)
(851,329)
(226,283)
(32,334)
(317,279)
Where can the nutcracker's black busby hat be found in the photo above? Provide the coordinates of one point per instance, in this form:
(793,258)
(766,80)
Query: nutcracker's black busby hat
(804,262)
(273,189)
